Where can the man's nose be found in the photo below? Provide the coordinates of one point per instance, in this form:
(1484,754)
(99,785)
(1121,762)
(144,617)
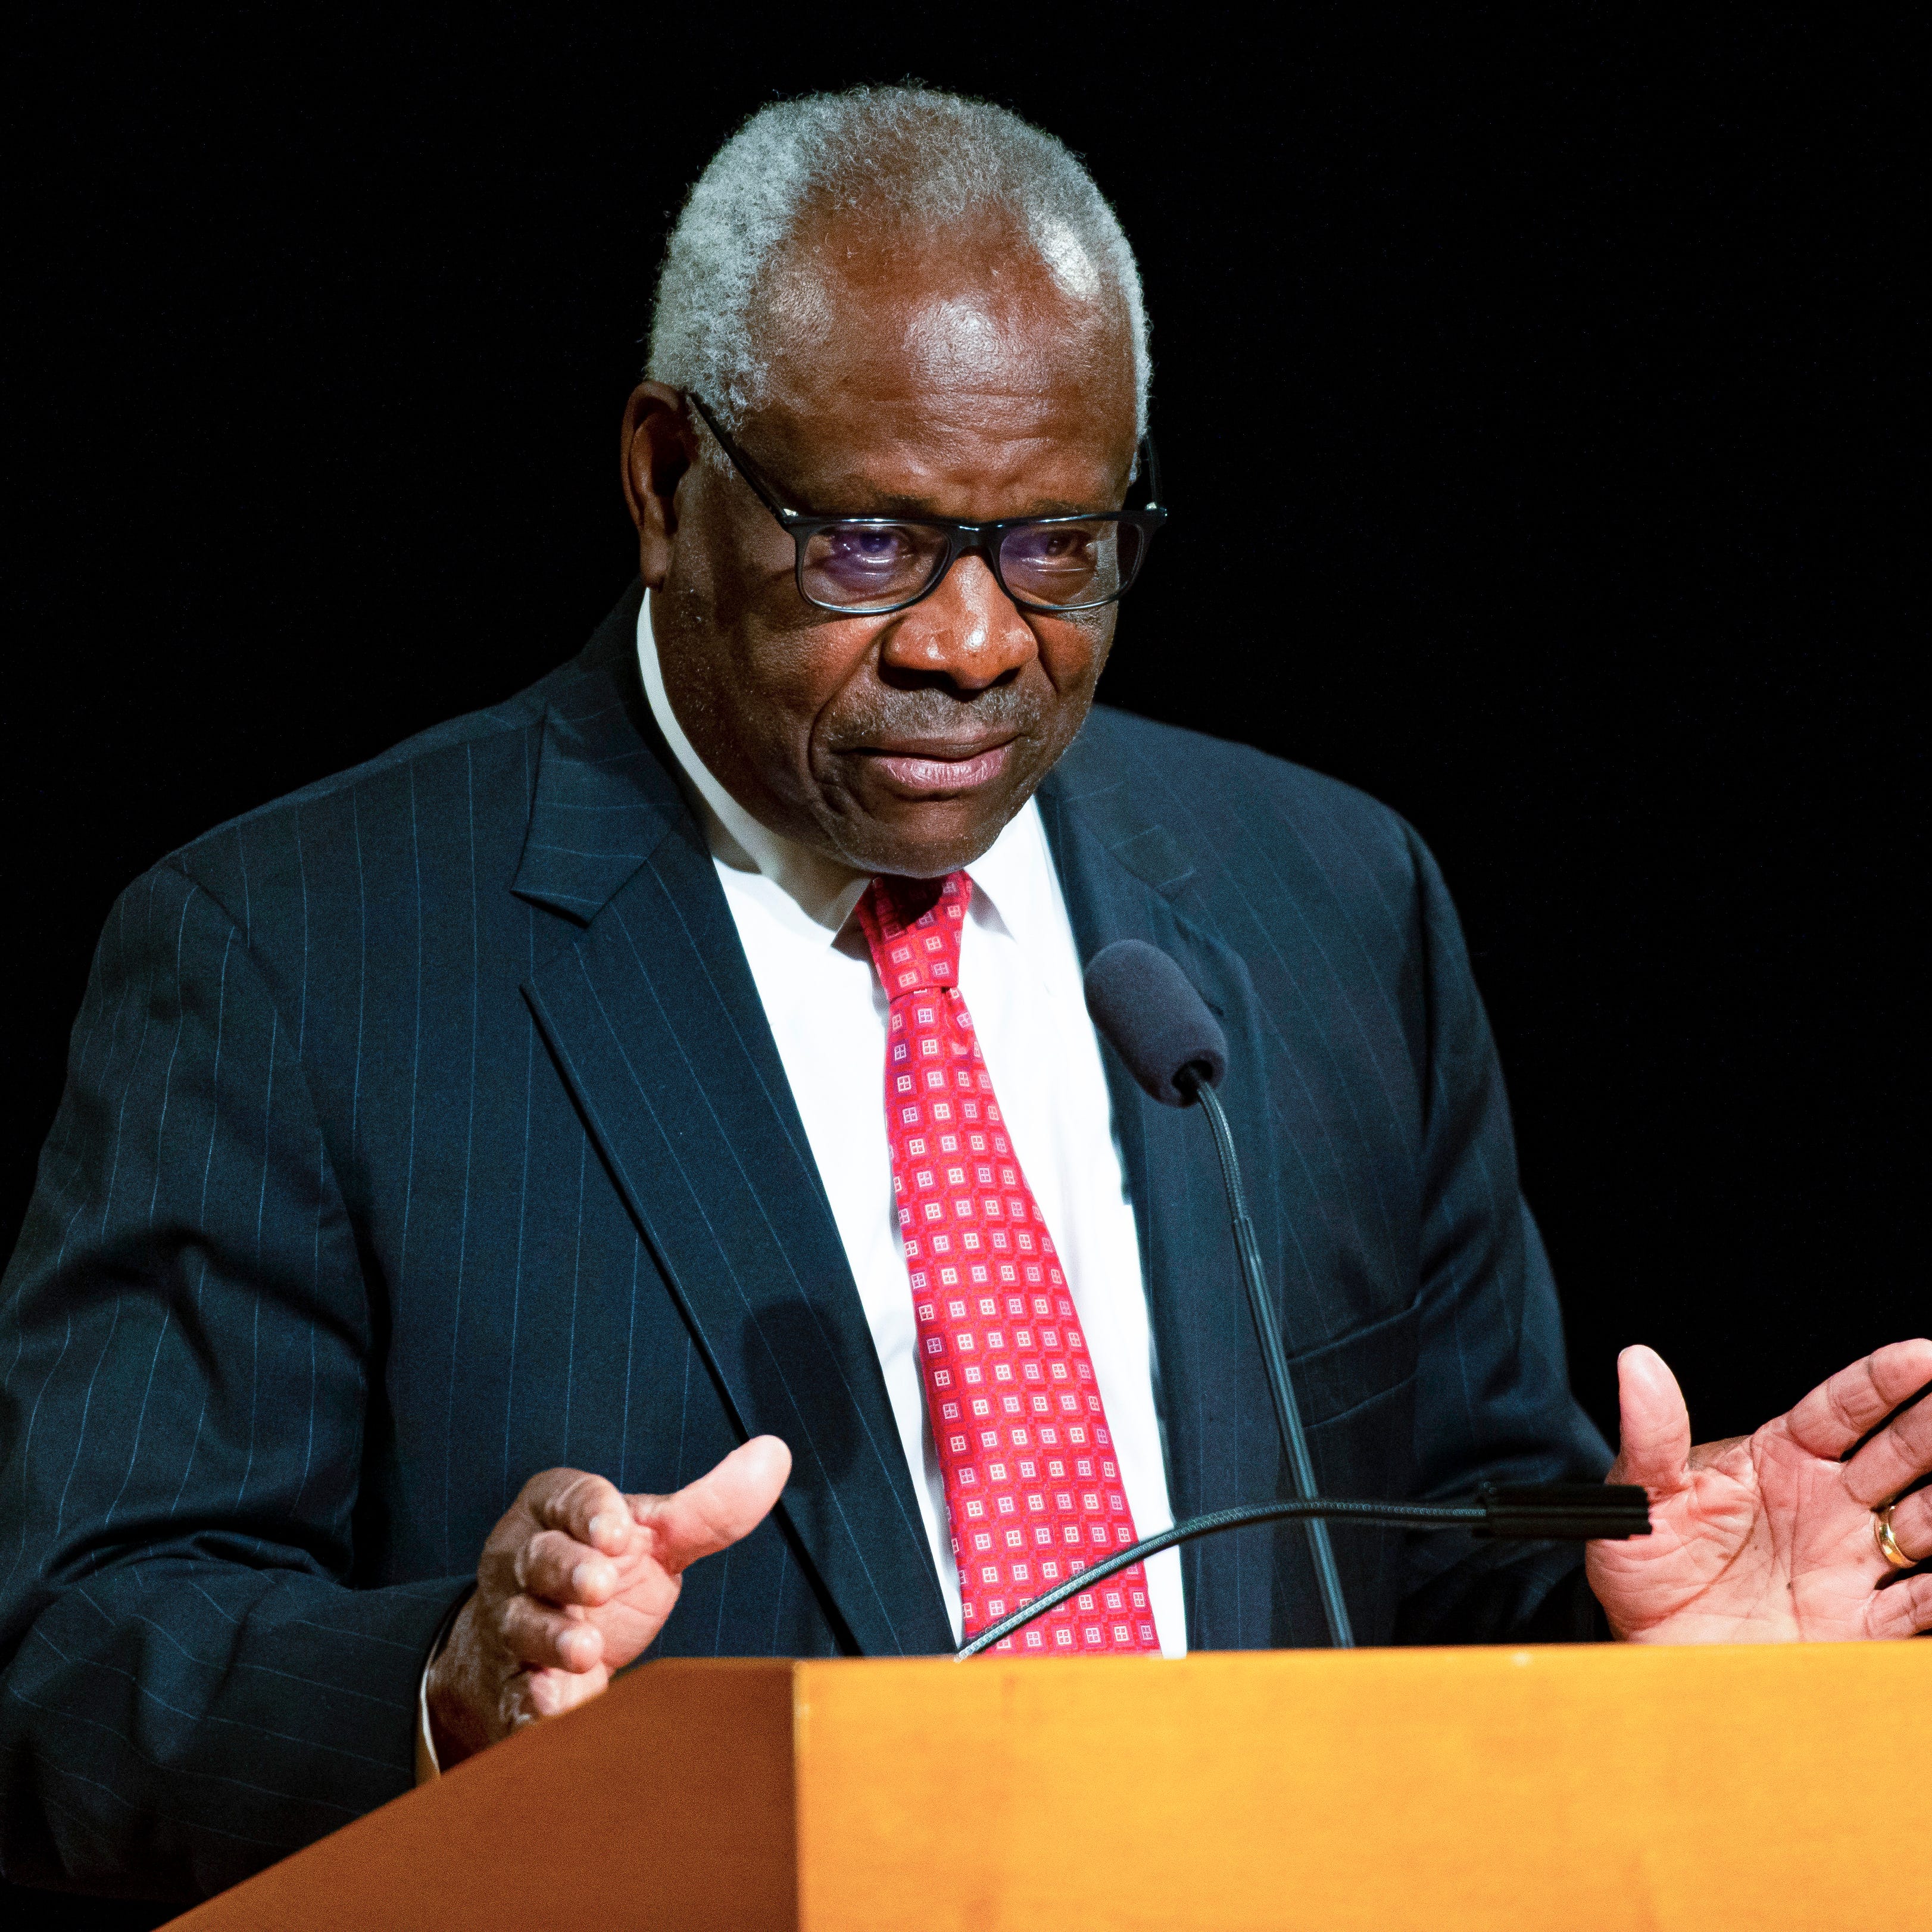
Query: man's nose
(967,632)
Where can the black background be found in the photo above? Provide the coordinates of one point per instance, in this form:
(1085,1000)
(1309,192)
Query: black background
(1527,385)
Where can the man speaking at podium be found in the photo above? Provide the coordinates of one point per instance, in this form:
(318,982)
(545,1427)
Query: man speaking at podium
(630,1171)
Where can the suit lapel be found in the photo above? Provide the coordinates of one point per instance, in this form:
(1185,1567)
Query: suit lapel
(654,1020)
(1120,871)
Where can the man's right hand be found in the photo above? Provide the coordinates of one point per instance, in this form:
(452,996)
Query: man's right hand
(574,1582)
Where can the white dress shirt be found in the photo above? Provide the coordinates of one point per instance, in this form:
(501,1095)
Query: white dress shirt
(1019,972)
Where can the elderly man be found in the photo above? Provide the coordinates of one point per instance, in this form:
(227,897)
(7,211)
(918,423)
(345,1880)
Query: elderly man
(630,1171)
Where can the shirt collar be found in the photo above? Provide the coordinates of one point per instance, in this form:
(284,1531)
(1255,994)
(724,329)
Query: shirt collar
(1014,876)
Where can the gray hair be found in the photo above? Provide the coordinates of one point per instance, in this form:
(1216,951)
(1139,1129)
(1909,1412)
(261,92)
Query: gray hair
(913,155)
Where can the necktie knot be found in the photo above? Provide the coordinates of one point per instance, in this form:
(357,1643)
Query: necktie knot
(913,927)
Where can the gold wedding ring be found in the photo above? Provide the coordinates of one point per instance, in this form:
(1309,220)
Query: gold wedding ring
(1888,1544)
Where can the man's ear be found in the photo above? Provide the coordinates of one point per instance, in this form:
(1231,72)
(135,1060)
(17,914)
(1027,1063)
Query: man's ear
(659,448)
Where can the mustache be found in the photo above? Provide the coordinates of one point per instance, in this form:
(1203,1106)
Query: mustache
(887,715)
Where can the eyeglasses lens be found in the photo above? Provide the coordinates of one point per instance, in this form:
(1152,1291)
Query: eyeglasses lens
(1065,564)
(870,566)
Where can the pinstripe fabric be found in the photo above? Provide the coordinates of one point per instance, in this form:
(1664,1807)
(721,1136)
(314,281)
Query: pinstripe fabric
(1414,1295)
(422,1130)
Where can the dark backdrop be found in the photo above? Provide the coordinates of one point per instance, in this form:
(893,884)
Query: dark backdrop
(1526,387)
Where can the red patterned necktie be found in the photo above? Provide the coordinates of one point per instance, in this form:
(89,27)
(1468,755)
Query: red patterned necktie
(1033,1491)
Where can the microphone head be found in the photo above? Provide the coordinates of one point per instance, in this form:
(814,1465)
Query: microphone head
(1148,1012)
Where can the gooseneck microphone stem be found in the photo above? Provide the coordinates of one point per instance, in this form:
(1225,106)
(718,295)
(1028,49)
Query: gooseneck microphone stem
(1312,1509)
(1274,1358)
(1532,1513)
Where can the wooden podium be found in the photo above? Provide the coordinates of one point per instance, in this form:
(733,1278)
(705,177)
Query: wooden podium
(1596,1786)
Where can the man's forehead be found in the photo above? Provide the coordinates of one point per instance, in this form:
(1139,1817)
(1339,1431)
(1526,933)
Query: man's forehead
(952,445)
(946,343)
(969,337)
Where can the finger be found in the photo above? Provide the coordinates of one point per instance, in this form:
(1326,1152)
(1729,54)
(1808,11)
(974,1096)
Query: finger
(1893,1459)
(1902,1609)
(559,1569)
(1837,1412)
(714,1512)
(1655,1425)
(1912,1523)
(548,1694)
(581,1505)
(541,1637)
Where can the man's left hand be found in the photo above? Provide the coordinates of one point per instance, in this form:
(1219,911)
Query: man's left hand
(1769,1537)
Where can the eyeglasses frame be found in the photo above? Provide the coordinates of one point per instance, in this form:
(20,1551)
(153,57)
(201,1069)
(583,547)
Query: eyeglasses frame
(962,538)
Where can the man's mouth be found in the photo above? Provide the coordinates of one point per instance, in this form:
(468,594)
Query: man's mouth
(938,771)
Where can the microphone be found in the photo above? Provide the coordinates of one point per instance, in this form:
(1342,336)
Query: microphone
(1148,1011)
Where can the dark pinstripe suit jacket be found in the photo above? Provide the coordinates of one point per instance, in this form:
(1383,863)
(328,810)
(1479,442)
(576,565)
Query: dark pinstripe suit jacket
(423,1130)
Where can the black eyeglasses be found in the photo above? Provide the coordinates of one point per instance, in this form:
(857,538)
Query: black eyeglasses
(865,566)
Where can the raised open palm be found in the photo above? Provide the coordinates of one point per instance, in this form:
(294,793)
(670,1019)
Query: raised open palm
(1768,1537)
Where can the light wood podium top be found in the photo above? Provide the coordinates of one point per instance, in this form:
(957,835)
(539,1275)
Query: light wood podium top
(1577,1786)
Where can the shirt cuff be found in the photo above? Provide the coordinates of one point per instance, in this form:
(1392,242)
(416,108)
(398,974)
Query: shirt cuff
(428,1769)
